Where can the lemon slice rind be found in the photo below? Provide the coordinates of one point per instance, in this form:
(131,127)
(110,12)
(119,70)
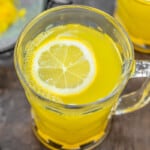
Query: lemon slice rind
(88,55)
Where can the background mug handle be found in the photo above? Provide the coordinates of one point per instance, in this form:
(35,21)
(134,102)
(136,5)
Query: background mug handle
(137,99)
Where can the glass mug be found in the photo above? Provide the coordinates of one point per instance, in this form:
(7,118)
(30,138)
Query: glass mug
(80,126)
(134,16)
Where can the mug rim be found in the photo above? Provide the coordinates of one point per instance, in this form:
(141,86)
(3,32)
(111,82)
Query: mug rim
(124,77)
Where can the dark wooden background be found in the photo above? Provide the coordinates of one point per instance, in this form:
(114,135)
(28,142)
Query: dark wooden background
(128,132)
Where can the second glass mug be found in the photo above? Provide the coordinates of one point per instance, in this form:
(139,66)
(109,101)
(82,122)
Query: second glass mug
(134,16)
(74,126)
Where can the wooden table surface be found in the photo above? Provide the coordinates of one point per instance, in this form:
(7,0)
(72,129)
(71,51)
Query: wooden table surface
(128,132)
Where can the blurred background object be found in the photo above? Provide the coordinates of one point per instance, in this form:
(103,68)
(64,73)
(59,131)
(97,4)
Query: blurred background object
(14,15)
(134,15)
(9,14)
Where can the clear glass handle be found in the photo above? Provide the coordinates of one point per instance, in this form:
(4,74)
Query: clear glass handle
(137,99)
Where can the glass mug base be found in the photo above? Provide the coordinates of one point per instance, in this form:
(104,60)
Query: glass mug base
(142,48)
(50,144)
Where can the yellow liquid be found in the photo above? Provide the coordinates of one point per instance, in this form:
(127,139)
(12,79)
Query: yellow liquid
(72,128)
(134,16)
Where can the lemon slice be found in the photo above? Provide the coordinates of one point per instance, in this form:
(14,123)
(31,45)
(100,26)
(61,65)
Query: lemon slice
(64,66)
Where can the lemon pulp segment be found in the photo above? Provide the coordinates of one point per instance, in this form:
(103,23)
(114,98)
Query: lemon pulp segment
(64,66)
